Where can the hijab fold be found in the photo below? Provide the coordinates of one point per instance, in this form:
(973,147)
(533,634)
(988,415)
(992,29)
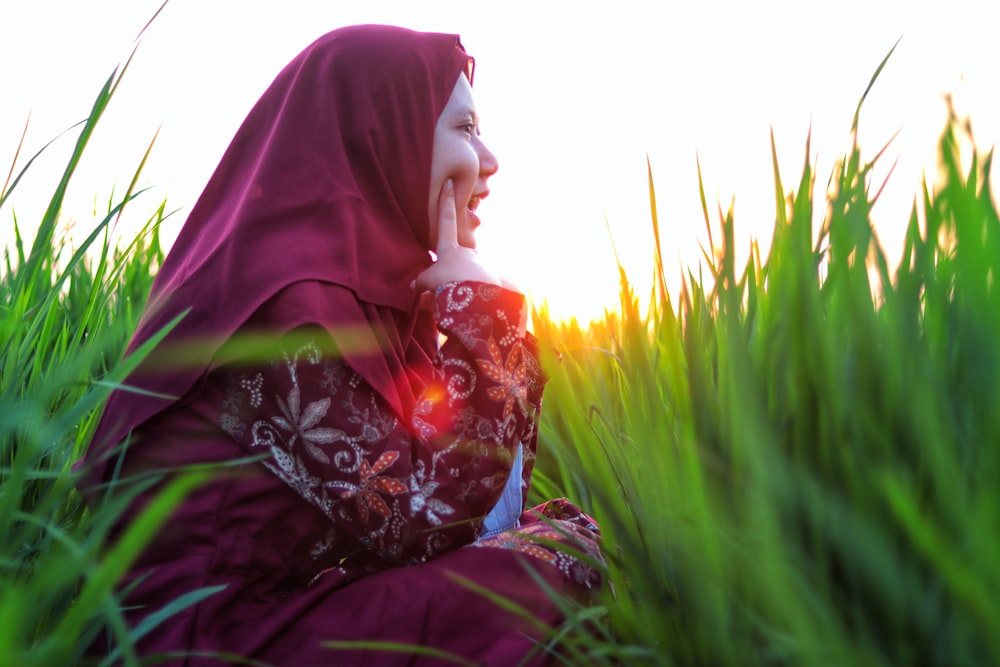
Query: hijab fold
(317,214)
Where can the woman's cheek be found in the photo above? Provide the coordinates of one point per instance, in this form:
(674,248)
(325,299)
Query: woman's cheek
(465,177)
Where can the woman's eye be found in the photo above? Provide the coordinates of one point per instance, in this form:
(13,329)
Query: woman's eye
(470,129)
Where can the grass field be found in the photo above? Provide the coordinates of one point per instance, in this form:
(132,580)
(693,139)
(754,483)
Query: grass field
(794,460)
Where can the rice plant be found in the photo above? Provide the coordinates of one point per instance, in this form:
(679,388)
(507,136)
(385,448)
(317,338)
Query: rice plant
(797,462)
(65,316)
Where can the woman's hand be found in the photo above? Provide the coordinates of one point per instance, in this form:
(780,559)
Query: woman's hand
(454,262)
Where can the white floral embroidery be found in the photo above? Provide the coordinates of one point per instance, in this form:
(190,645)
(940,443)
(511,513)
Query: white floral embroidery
(461,380)
(252,388)
(293,472)
(458,297)
(324,544)
(263,434)
(422,500)
(300,424)
(511,335)
(420,410)
(466,332)
(397,491)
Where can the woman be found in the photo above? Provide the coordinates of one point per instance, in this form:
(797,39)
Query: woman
(389,471)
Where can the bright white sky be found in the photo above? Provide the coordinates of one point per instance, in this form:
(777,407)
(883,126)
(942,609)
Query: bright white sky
(573,97)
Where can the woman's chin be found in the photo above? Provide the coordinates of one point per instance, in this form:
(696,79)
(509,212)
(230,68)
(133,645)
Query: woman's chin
(467,230)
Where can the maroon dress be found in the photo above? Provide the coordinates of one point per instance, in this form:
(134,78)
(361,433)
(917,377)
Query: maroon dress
(354,526)
(376,458)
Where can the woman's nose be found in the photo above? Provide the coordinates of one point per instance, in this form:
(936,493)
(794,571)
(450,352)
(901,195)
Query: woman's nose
(488,164)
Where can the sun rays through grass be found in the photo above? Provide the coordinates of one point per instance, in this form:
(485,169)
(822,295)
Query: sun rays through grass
(796,462)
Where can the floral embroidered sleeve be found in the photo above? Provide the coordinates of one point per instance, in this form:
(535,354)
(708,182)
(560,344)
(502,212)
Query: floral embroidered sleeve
(406,492)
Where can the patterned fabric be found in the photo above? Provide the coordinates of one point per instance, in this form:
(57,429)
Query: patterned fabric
(353,525)
(405,492)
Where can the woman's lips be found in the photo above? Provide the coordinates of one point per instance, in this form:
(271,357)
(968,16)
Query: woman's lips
(474,202)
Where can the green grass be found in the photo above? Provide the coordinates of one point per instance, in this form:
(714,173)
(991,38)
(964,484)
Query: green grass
(65,317)
(794,460)
(797,462)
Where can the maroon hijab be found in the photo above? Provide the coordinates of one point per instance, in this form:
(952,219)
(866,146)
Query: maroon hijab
(316,214)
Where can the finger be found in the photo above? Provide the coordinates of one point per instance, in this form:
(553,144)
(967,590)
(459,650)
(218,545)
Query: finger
(447,218)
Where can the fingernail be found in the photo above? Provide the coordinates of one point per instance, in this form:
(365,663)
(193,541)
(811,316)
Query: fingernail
(449,184)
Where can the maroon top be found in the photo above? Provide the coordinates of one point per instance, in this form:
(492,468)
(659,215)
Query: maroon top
(379,453)
(327,179)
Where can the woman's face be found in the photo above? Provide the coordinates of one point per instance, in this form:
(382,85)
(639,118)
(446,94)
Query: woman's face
(459,154)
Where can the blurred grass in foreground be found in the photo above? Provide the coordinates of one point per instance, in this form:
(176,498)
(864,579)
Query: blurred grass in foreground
(797,463)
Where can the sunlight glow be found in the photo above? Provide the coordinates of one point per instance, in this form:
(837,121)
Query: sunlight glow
(572,114)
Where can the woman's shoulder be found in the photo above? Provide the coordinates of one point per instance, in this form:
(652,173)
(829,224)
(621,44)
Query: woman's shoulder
(307,302)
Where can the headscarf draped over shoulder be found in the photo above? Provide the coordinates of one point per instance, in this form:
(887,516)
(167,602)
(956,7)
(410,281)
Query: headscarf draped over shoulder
(316,214)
